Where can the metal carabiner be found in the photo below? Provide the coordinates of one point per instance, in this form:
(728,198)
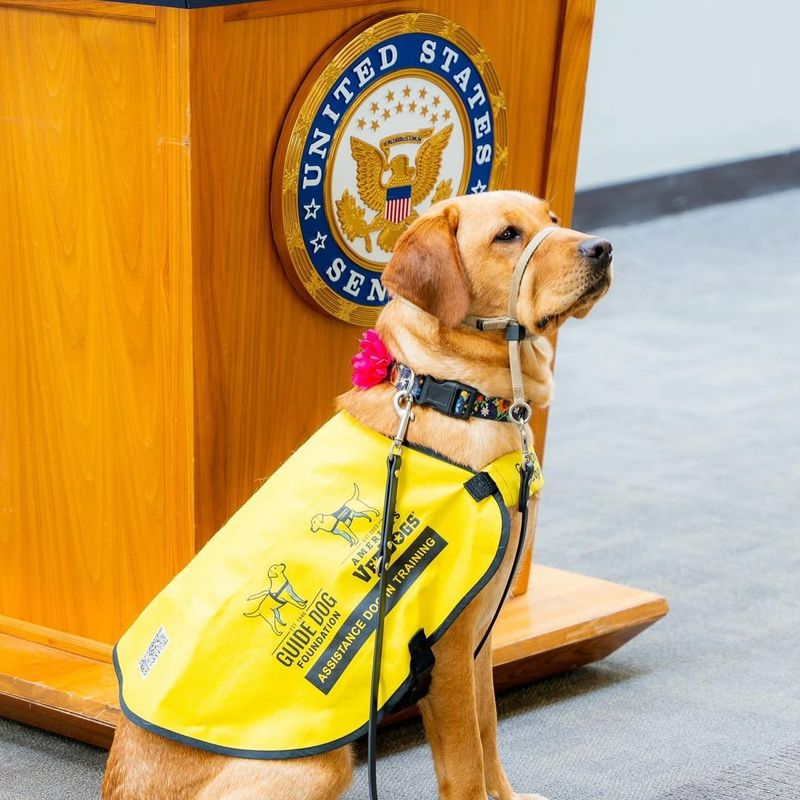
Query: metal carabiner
(403,403)
(525,443)
(527,468)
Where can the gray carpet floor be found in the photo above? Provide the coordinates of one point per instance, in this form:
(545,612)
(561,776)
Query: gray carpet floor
(673,464)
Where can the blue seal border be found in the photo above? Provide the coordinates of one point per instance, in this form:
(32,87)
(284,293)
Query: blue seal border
(309,132)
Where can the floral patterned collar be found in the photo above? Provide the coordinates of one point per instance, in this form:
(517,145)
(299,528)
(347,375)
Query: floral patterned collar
(373,364)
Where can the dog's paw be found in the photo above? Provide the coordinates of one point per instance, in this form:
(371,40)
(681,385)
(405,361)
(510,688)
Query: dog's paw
(523,797)
(531,797)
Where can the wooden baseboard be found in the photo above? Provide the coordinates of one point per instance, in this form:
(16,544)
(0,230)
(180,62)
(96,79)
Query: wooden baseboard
(565,620)
(63,692)
(60,640)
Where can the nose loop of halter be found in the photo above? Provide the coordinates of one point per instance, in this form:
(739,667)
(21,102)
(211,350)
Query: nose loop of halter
(515,284)
(525,258)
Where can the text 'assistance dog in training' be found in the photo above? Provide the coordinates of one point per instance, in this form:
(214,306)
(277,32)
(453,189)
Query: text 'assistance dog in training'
(390,598)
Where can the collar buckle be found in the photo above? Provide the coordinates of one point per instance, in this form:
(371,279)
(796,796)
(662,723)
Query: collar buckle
(450,397)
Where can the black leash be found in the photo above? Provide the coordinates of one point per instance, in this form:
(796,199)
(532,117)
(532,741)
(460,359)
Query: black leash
(393,464)
(403,403)
(527,473)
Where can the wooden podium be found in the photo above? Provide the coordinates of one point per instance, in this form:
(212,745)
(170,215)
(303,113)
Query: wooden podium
(152,342)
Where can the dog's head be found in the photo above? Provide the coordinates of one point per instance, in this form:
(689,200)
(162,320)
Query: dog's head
(458,258)
(276,571)
(316,522)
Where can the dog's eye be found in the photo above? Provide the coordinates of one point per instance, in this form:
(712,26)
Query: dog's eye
(508,234)
(554,218)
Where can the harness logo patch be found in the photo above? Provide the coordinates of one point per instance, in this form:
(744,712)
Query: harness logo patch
(407,112)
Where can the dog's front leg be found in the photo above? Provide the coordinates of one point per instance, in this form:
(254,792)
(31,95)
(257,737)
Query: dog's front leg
(450,715)
(497,784)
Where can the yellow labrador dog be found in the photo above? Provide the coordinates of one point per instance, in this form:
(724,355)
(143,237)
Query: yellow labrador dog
(456,259)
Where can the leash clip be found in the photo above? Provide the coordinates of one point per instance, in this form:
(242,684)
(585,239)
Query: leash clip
(521,413)
(527,467)
(525,444)
(403,403)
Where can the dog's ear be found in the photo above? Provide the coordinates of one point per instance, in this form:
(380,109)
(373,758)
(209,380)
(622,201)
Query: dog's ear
(426,268)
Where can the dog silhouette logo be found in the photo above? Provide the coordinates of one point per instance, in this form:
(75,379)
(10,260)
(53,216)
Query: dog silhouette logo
(339,521)
(279,592)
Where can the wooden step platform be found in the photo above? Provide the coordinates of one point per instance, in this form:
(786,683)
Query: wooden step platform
(565,620)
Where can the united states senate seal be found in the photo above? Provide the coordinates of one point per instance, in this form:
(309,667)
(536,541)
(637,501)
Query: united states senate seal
(402,112)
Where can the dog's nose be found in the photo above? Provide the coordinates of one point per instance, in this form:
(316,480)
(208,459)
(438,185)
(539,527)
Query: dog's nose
(597,251)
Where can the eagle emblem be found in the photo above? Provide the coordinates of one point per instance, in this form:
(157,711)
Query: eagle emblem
(393,198)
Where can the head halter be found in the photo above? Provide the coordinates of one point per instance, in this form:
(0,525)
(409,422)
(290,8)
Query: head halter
(515,333)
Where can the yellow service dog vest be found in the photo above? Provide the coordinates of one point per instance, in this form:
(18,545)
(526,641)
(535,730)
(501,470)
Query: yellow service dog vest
(262,646)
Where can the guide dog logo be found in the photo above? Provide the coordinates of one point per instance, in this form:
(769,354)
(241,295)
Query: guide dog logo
(278,593)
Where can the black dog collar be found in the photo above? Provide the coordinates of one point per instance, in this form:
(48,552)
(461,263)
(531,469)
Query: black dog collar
(453,398)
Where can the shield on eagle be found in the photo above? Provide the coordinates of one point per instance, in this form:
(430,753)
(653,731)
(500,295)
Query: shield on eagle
(398,203)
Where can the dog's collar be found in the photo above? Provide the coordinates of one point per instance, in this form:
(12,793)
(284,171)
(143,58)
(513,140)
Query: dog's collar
(453,398)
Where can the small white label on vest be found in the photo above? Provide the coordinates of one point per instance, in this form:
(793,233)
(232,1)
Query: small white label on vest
(154,650)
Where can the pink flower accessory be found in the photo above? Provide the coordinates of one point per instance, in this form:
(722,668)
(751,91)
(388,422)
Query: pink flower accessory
(372,363)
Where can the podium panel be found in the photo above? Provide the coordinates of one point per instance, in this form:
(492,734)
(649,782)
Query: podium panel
(159,362)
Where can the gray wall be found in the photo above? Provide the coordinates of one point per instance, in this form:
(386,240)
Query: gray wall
(687,83)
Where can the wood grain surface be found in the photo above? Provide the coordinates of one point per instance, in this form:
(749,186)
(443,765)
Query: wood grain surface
(161,364)
(62,692)
(95,323)
(60,640)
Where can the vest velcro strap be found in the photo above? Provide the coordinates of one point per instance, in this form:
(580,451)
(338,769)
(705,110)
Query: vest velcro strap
(480,486)
(422,663)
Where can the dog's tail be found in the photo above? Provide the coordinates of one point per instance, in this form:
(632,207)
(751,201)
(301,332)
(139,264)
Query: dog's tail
(355,495)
